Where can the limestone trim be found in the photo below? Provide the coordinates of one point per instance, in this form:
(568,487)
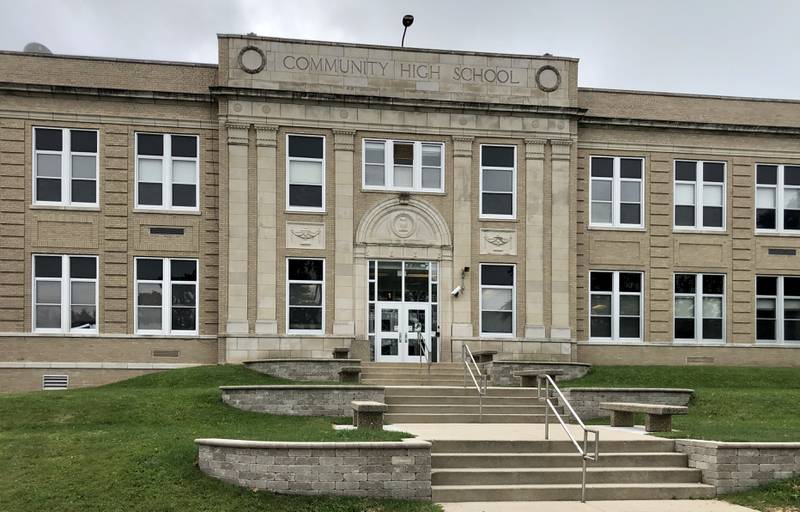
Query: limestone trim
(560,229)
(344,292)
(462,233)
(238,142)
(267,229)
(237,134)
(635,147)
(322,445)
(410,223)
(534,238)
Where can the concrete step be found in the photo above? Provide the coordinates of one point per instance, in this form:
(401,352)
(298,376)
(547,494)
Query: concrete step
(394,418)
(538,476)
(456,390)
(495,408)
(434,366)
(572,492)
(462,400)
(645,445)
(418,381)
(555,460)
(413,369)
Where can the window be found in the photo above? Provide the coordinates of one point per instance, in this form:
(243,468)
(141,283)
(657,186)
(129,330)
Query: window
(615,305)
(778,197)
(498,182)
(65,167)
(175,279)
(65,294)
(305,296)
(497,300)
(699,307)
(167,172)
(305,173)
(778,309)
(699,195)
(616,192)
(403,165)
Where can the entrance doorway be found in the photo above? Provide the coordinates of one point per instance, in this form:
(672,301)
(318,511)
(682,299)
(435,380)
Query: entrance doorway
(403,310)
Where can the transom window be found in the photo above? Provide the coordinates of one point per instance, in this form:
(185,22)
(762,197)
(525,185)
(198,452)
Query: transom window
(699,307)
(305,173)
(616,191)
(615,305)
(498,182)
(778,309)
(65,167)
(166,296)
(167,172)
(778,197)
(65,294)
(403,165)
(699,194)
(497,300)
(305,296)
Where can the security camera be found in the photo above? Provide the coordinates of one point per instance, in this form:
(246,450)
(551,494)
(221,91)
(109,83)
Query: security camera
(456,291)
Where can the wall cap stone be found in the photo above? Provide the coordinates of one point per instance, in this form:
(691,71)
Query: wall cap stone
(634,390)
(742,445)
(322,445)
(300,386)
(552,363)
(304,360)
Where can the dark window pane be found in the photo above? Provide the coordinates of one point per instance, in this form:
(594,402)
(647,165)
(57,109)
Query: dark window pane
(765,218)
(82,141)
(403,153)
(48,266)
(502,275)
(48,189)
(791,286)
(497,156)
(684,328)
(183,145)
(791,219)
(83,317)
(82,267)
(712,329)
(305,318)
(630,282)
(149,294)
(305,270)
(791,330)
(305,294)
(305,147)
(630,213)
(84,191)
(685,283)
(150,144)
(600,327)
(498,204)
(389,347)
(629,327)
(602,167)
(686,171)
(766,285)
(184,295)
(791,175)
(184,195)
(714,171)
(714,284)
(149,269)
(416,282)
(183,270)
(49,140)
(497,321)
(305,195)
(601,281)
(712,216)
(767,174)
(684,215)
(390,280)
(630,168)
(150,193)
(765,329)
(184,319)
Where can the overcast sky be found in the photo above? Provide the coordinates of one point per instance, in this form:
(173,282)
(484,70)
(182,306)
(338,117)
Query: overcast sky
(731,47)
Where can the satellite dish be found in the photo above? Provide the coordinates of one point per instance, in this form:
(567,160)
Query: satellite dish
(34,47)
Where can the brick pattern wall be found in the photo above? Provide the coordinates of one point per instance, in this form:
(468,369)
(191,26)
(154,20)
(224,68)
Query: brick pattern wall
(303,369)
(12,224)
(502,372)
(300,400)
(586,401)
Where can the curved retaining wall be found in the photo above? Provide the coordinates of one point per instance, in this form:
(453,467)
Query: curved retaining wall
(300,400)
(379,470)
(586,401)
(302,369)
(502,372)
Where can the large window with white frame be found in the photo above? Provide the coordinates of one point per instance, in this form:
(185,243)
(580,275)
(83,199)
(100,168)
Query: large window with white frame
(305,173)
(498,181)
(305,296)
(412,166)
(497,299)
(167,172)
(64,294)
(699,313)
(778,309)
(615,305)
(616,192)
(65,167)
(166,296)
(778,198)
(699,195)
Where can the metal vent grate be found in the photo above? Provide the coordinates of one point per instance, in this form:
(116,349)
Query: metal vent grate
(166,353)
(55,382)
(699,360)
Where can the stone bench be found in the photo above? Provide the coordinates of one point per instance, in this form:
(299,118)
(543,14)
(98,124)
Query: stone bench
(658,416)
(368,414)
(484,356)
(350,374)
(341,353)
(530,378)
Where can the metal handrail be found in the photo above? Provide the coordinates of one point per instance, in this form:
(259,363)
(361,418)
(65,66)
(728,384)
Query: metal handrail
(466,356)
(582,450)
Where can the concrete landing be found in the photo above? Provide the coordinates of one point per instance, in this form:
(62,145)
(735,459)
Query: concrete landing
(510,432)
(598,506)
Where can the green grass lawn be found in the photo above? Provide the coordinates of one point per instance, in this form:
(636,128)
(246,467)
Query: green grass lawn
(129,446)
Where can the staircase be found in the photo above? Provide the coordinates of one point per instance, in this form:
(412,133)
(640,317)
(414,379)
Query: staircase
(411,374)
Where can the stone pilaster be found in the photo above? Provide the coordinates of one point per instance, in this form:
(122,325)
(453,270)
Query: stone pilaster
(462,233)
(267,232)
(560,229)
(237,229)
(343,149)
(534,238)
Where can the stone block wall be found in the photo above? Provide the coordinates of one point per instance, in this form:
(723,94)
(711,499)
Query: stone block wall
(303,369)
(502,372)
(586,401)
(379,470)
(300,400)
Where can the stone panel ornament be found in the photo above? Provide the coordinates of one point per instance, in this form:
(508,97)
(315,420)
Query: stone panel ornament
(548,78)
(252,59)
(499,241)
(305,235)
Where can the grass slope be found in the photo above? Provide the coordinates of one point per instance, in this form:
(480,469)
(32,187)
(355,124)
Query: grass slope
(129,446)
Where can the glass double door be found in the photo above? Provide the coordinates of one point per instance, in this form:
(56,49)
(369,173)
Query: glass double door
(403,333)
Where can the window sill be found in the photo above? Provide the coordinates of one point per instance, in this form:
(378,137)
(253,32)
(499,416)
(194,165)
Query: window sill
(701,231)
(786,234)
(167,211)
(305,334)
(498,219)
(609,341)
(635,229)
(304,212)
(65,207)
(402,191)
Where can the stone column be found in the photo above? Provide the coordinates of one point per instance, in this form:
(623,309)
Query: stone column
(534,238)
(462,234)
(343,323)
(237,229)
(267,237)
(560,229)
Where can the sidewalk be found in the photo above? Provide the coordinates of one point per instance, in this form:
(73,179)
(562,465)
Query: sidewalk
(511,432)
(598,506)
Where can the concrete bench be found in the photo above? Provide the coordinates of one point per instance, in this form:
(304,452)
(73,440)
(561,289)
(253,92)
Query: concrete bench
(350,374)
(658,416)
(368,414)
(484,356)
(341,353)
(530,378)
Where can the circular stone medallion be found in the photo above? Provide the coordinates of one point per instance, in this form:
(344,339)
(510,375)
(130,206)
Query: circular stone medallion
(252,59)
(548,78)
(403,225)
